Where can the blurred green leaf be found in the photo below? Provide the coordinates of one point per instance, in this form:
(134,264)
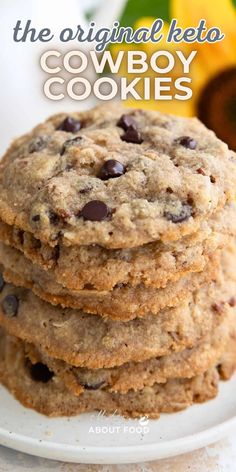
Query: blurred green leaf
(138,8)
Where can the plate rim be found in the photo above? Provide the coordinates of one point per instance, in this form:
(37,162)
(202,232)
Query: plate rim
(108,454)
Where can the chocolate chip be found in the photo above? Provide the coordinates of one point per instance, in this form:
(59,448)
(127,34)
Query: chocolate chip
(212,179)
(38,144)
(126,121)
(89,286)
(10,305)
(182,215)
(128,124)
(95,211)
(232,301)
(217,307)
(53,217)
(35,218)
(69,143)
(201,171)
(132,135)
(187,142)
(190,201)
(111,169)
(2,282)
(95,386)
(40,372)
(169,190)
(70,125)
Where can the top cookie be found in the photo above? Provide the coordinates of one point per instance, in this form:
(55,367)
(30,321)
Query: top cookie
(115,177)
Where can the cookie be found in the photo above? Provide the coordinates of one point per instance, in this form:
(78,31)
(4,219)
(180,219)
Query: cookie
(39,389)
(154,264)
(88,340)
(90,178)
(123,303)
(76,267)
(137,375)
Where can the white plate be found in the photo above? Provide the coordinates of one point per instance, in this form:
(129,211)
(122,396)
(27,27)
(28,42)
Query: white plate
(120,441)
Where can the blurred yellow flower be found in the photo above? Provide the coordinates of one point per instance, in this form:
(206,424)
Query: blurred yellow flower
(214,100)
(213,70)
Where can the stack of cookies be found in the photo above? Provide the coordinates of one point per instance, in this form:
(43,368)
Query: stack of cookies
(117,253)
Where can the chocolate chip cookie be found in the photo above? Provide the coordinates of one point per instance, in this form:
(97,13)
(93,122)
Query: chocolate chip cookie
(123,303)
(137,375)
(94,178)
(117,263)
(87,340)
(153,265)
(36,386)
